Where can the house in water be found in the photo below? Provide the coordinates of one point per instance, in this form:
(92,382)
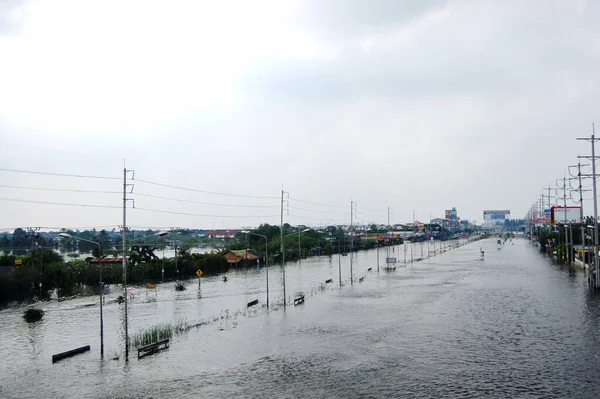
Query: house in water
(241,257)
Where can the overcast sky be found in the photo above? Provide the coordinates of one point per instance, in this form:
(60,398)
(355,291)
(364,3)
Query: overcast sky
(415,105)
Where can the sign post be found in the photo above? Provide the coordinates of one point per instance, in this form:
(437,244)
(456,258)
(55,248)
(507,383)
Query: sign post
(199,274)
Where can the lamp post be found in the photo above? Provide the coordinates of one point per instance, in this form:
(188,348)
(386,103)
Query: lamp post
(266,259)
(376,243)
(293,234)
(160,234)
(176,234)
(69,236)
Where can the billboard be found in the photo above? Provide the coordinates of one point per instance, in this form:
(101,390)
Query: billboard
(495,217)
(573,214)
(451,214)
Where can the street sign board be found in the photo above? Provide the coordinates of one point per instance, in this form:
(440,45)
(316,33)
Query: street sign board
(199,273)
(18,261)
(390,260)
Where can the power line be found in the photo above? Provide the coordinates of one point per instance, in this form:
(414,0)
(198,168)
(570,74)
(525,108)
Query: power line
(58,174)
(315,211)
(322,218)
(202,191)
(319,204)
(202,215)
(204,203)
(59,203)
(62,190)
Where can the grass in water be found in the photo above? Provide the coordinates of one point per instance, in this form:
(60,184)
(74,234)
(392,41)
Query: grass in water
(152,335)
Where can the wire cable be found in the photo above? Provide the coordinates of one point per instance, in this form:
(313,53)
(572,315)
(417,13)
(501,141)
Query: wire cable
(319,204)
(204,203)
(322,218)
(315,211)
(59,203)
(202,191)
(63,190)
(58,174)
(202,215)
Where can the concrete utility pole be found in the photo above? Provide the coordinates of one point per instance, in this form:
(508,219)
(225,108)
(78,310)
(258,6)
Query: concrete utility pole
(124,239)
(593,140)
(282,249)
(340,260)
(581,190)
(351,240)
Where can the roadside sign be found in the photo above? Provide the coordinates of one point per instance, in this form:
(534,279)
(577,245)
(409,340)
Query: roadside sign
(199,273)
(18,261)
(390,260)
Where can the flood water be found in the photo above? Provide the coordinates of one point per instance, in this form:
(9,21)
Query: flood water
(511,325)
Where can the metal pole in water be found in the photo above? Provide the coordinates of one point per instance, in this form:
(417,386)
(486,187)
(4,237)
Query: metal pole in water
(125,260)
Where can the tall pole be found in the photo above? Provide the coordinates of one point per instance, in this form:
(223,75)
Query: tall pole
(267,267)
(377,243)
(340,260)
(411,239)
(125,260)
(581,205)
(571,240)
(565,211)
(593,158)
(351,239)
(595,206)
(299,250)
(387,236)
(282,249)
(101,300)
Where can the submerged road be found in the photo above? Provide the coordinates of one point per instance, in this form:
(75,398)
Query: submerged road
(512,325)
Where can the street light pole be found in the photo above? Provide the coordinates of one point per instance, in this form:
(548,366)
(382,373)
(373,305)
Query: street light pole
(299,249)
(69,236)
(266,260)
(124,239)
(340,260)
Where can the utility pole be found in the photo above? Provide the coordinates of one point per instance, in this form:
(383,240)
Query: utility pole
(565,224)
(549,196)
(299,250)
(340,260)
(581,190)
(33,233)
(351,240)
(412,238)
(282,249)
(125,185)
(593,140)
(377,244)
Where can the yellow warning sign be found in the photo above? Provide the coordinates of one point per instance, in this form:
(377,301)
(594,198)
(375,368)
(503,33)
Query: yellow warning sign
(199,273)
(18,261)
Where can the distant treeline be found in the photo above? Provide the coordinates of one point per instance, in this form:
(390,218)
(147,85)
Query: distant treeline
(45,266)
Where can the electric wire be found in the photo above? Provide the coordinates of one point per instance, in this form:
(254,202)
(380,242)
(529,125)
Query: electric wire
(318,203)
(59,203)
(315,211)
(203,203)
(58,174)
(202,191)
(62,190)
(202,215)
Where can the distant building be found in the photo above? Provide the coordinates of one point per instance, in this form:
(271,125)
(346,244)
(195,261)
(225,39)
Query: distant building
(241,256)
(221,233)
(493,220)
